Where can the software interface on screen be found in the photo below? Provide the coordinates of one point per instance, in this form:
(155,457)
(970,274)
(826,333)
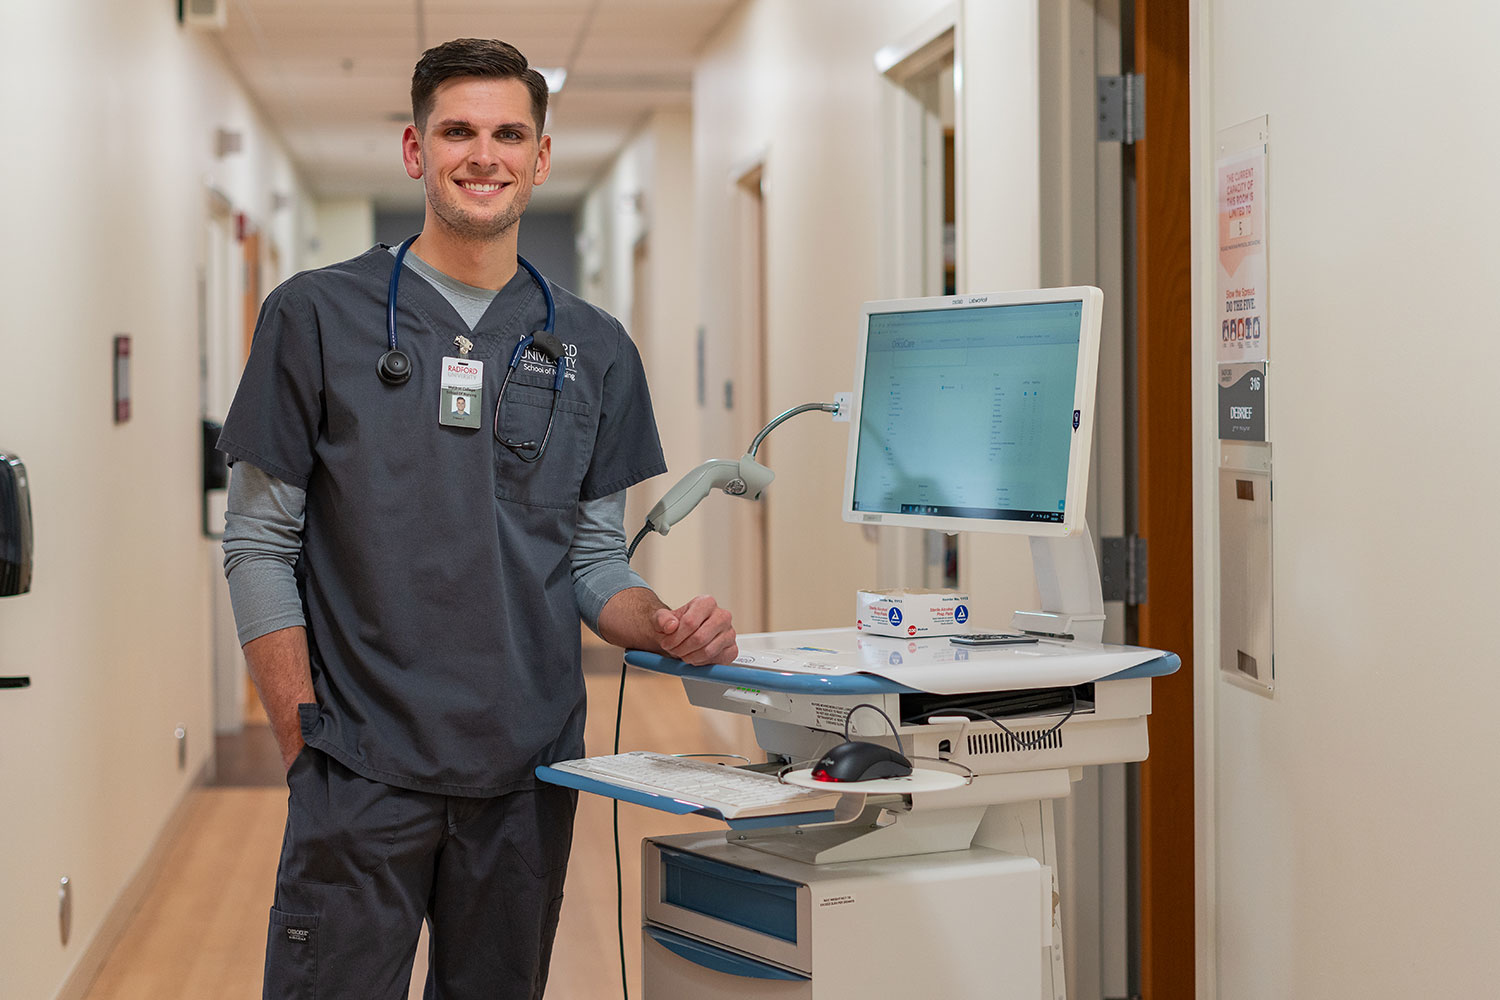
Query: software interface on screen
(969,412)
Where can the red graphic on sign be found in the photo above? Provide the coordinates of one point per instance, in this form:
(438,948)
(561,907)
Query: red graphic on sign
(911,630)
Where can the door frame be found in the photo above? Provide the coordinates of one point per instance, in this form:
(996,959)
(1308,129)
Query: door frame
(911,65)
(1163,310)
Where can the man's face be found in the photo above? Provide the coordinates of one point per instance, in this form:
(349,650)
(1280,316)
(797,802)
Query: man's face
(478,157)
(461,405)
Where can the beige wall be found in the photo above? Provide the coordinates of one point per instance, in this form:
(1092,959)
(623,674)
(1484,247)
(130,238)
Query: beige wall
(111,123)
(346,228)
(645,196)
(1348,824)
(793,86)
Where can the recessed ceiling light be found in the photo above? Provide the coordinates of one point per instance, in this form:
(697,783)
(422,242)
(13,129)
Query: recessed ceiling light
(554,75)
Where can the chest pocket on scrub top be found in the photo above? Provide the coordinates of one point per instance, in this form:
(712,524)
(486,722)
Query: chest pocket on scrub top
(554,479)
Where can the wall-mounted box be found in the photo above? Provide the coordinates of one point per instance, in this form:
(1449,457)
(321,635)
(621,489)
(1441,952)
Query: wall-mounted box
(1246,651)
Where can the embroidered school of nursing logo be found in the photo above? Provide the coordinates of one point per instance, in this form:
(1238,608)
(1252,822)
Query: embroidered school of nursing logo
(538,363)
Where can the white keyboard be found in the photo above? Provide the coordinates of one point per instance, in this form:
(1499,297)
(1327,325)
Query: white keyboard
(729,790)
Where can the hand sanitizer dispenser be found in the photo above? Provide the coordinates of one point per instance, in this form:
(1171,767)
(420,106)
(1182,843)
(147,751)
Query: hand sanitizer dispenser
(15,527)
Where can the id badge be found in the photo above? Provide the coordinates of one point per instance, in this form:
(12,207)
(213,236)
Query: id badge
(463,391)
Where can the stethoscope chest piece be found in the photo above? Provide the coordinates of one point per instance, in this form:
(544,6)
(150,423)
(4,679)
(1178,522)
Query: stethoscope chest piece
(394,367)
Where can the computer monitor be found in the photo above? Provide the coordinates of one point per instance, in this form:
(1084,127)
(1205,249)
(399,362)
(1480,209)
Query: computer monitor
(975,412)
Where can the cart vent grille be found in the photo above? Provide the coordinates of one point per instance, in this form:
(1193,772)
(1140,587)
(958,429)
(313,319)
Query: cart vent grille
(1021,740)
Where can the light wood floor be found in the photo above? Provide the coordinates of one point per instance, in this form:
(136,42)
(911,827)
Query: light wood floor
(200,934)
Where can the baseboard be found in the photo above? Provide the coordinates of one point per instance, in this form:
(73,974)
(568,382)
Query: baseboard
(117,919)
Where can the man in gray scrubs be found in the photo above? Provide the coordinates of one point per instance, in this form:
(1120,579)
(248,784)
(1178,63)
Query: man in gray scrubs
(408,586)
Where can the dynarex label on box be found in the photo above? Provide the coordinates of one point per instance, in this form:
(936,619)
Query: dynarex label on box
(906,613)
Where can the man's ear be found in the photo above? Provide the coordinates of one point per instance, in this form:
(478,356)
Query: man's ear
(411,152)
(543,160)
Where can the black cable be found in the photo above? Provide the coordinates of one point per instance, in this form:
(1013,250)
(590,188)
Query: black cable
(615,810)
(1021,742)
(638,536)
(615,803)
(864,704)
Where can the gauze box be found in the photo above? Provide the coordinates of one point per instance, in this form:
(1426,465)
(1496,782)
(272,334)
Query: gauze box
(909,613)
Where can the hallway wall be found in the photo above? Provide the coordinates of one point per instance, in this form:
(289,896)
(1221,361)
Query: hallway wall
(795,88)
(646,196)
(112,124)
(1349,836)
(346,228)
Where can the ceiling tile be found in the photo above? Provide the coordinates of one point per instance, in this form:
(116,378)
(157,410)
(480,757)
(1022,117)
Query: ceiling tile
(330,74)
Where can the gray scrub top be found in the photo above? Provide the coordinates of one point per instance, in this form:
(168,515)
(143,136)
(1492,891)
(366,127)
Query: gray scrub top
(442,626)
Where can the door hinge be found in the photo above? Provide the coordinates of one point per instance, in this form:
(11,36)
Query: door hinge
(1122,569)
(1122,108)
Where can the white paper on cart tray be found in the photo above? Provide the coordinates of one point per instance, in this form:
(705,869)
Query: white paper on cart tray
(935,664)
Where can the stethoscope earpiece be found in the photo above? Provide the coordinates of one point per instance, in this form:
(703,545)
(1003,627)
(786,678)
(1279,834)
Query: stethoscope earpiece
(394,367)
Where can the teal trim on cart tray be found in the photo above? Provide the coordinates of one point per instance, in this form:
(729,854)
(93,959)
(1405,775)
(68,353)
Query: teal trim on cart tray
(837,684)
(665,803)
(1166,663)
(768,680)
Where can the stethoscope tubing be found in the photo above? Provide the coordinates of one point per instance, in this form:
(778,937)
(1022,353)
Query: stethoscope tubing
(559,361)
(393,290)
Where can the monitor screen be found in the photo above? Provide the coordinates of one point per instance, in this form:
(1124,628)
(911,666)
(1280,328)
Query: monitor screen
(975,413)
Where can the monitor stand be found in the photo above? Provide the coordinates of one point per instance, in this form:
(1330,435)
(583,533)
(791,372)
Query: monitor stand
(1067,580)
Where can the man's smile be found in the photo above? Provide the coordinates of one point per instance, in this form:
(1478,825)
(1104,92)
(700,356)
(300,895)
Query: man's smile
(480,187)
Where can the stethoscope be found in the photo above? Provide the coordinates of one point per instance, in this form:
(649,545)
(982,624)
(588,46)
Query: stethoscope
(395,366)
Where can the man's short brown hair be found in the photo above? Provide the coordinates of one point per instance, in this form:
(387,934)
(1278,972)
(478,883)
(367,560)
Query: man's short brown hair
(487,58)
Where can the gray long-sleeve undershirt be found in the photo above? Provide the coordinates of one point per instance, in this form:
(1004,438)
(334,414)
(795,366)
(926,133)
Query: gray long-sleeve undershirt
(263,540)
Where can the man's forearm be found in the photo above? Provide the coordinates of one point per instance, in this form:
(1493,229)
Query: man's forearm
(282,674)
(626,619)
(700,632)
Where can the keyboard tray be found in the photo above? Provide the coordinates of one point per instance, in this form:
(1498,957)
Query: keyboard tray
(667,802)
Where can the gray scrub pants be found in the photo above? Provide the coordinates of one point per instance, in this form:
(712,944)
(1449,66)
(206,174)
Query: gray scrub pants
(363,862)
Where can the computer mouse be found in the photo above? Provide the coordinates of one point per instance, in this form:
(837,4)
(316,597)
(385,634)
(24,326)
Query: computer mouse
(857,760)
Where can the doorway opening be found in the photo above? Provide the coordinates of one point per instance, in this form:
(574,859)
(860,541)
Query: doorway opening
(746,398)
(923,123)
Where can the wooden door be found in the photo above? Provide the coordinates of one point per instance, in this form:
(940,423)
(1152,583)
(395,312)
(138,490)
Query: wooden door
(250,254)
(1165,512)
